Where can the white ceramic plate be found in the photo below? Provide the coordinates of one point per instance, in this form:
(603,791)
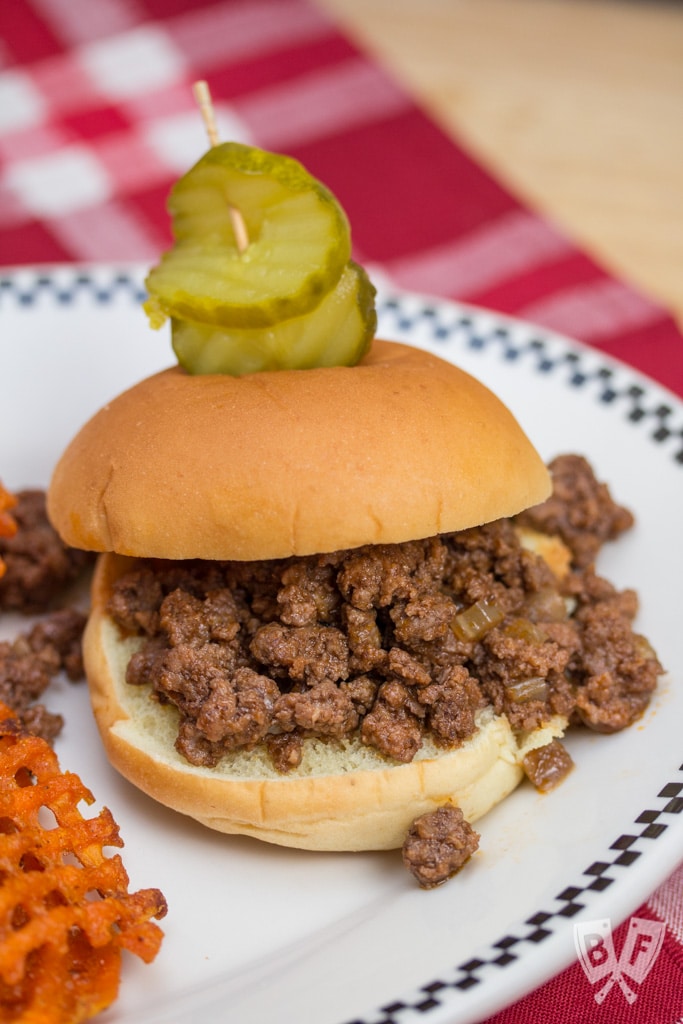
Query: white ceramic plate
(256,933)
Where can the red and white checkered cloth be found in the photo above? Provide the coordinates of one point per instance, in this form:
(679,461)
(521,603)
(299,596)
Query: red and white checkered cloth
(97,120)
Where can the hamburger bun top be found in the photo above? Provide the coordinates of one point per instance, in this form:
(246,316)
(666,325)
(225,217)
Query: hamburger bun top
(296,462)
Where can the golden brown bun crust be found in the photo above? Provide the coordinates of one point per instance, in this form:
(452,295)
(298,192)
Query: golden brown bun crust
(341,798)
(400,447)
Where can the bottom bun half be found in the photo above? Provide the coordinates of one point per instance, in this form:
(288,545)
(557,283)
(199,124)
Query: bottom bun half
(343,796)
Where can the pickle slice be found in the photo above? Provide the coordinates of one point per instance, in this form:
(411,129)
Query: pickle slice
(299,242)
(337,332)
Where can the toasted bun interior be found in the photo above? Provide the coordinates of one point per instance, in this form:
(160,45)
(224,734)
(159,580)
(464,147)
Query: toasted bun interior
(402,446)
(344,796)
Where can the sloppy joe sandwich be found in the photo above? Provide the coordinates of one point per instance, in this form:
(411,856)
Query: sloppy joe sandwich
(336,606)
(271,525)
(317,617)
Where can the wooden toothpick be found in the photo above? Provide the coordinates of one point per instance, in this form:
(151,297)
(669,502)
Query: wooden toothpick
(202,95)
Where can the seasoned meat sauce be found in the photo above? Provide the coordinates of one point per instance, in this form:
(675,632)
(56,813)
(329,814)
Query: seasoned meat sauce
(39,568)
(394,642)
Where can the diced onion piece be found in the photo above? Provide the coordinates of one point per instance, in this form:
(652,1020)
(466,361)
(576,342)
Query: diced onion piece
(547,766)
(534,688)
(525,629)
(474,622)
(644,648)
(547,605)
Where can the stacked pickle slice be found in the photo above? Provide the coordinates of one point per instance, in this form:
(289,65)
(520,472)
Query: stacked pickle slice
(283,293)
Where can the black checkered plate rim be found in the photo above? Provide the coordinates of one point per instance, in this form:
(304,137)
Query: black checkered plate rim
(643,404)
(526,938)
(640,402)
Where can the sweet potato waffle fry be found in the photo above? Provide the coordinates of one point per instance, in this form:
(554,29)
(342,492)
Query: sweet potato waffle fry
(8,526)
(65,909)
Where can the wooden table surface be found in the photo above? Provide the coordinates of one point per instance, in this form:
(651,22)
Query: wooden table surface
(576,105)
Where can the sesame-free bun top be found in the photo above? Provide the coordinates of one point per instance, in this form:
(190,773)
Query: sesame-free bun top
(293,462)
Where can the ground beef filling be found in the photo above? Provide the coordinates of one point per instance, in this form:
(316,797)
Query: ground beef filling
(392,642)
(39,566)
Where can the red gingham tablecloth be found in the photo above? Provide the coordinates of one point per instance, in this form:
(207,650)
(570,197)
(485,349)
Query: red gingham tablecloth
(97,120)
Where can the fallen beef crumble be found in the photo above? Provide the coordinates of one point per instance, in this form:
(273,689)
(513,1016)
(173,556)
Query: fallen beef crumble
(438,844)
(29,662)
(39,569)
(394,642)
(39,566)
